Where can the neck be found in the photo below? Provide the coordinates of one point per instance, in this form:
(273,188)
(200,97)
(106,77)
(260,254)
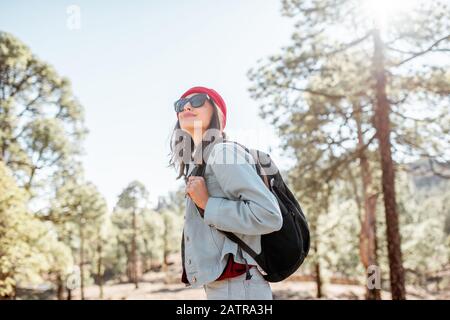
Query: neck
(197,153)
(197,137)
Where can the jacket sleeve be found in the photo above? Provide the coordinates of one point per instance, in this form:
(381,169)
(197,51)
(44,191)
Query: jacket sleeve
(250,208)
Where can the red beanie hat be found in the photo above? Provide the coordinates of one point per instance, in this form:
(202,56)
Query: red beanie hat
(214,95)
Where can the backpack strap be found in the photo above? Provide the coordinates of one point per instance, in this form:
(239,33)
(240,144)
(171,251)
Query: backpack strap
(199,170)
(235,238)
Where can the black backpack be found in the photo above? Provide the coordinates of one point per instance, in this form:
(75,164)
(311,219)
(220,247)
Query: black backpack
(282,251)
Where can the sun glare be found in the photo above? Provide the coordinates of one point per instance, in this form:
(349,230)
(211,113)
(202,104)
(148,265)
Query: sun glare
(382,10)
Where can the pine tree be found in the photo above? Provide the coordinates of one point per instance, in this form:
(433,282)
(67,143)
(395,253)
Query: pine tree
(41,122)
(133,199)
(78,210)
(329,73)
(29,249)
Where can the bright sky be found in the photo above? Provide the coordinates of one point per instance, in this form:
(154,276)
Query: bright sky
(130,60)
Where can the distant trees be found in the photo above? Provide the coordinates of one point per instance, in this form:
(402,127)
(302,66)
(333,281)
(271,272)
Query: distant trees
(171,208)
(144,236)
(41,127)
(78,212)
(29,249)
(423,212)
(133,199)
(341,99)
(54,224)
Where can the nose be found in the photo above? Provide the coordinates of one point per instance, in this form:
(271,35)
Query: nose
(187,107)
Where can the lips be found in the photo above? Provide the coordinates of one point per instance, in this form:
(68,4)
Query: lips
(187,114)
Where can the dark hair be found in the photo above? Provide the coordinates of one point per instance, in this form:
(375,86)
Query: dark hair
(176,158)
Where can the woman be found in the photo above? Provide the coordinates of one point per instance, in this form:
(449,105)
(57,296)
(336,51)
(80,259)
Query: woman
(230,197)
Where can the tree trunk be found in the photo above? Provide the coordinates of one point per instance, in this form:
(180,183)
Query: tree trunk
(367,237)
(99,268)
(318,276)
(129,263)
(318,280)
(59,287)
(166,245)
(134,253)
(382,125)
(81,264)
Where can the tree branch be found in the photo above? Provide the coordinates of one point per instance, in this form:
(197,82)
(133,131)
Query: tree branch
(327,95)
(348,158)
(429,120)
(439,174)
(350,44)
(429,49)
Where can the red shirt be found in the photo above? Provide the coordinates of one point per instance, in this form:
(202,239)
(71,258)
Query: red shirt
(232,269)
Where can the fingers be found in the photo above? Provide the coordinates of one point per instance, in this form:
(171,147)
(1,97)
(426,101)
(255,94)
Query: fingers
(195,178)
(191,186)
(193,183)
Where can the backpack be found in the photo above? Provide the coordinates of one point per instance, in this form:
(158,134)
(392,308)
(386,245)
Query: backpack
(282,251)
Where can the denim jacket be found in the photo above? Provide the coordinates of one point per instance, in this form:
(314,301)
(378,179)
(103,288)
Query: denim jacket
(239,202)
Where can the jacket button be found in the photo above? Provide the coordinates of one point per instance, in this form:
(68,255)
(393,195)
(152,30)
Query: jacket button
(189,261)
(187,238)
(194,279)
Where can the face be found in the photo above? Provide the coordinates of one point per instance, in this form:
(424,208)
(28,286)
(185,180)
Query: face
(192,119)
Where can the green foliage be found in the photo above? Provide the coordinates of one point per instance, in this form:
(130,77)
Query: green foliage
(426,244)
(29,248)
(41,122)
(147,230)
(78,213)
(175,201)
(315,87)
(158,233)
(173,228)
(319,92)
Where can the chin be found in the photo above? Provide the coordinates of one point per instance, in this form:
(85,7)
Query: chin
(189,124)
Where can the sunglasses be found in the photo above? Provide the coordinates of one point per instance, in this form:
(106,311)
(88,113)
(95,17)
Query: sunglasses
(196,102)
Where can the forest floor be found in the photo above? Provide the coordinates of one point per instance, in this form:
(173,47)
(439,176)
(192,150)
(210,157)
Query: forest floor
(154,286)
(162,285)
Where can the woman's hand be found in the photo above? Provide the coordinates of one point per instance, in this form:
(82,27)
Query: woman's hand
(197,191)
